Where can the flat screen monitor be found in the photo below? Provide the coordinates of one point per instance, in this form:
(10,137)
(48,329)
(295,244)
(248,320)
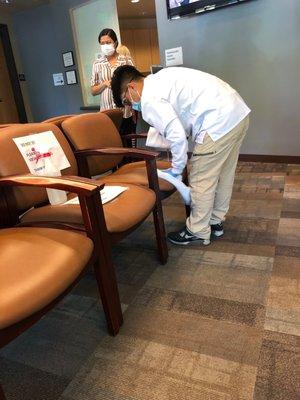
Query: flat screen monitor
(179,8)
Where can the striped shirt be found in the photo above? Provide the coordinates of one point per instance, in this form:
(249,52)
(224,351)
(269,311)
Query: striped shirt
(103,71)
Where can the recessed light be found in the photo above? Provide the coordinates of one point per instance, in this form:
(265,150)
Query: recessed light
(135,1)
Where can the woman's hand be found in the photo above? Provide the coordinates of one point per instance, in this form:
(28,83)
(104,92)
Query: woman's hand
(97,89)
(107,83)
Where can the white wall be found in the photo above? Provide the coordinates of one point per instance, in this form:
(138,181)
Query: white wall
(256,48)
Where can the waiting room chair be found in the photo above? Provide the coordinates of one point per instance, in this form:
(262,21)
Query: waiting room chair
(116,115)
(39,266)
(57,120)
(6,125)
(90,134)
(122,215)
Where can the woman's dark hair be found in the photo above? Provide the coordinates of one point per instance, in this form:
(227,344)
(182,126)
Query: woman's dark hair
(121,77)
(109,32)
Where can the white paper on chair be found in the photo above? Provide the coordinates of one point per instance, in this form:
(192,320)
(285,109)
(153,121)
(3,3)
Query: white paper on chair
(108,193)
(33,146)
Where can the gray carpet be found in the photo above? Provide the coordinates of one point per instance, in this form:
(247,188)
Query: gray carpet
(219,323)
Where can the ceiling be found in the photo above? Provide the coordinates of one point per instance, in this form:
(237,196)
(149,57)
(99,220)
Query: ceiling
(142,9)
(126,9)
(20,5)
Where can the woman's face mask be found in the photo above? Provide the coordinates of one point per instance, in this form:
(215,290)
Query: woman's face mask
(108,49)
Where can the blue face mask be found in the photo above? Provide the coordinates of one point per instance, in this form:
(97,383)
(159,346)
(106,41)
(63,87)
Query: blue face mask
(136,106)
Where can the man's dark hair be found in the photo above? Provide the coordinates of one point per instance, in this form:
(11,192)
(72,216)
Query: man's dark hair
(121,77)
(109,32)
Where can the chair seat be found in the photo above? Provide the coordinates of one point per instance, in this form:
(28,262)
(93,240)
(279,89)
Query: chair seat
(36,266)
(136,173)
(121,214)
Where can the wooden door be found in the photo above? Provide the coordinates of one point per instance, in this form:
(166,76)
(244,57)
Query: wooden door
(142,46)
(127,40)
(8,108)
(155,56)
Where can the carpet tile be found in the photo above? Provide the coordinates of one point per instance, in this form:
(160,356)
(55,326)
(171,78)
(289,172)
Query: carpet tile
(214,323)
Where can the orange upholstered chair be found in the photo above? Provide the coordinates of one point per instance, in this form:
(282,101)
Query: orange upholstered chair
(39,266)
(122,215)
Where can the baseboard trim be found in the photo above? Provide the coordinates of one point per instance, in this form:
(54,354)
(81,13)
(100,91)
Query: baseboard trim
(268,158)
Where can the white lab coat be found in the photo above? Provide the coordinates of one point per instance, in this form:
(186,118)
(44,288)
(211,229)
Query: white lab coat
(179,102)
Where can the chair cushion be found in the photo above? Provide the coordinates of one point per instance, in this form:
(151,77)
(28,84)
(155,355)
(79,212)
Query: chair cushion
(136,173)
(121,214)
(36,266)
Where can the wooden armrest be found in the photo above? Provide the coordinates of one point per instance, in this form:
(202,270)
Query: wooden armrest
(127,152)
(149,157)
(135,136)
(80,186)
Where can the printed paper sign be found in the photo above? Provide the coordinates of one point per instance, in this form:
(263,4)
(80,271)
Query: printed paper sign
(174,57)
(58,79)
(34,148)
(71,77)
(108,193)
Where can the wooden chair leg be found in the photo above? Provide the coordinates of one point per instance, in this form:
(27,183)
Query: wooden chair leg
(104,268)
(2,396)
(187,211)
(108,289)
(158,216)
(160,234)
(186,181)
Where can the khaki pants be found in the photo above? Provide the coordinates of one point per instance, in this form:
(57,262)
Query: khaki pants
(211,179)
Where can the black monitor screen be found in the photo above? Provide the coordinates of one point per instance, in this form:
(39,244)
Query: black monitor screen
(178,8)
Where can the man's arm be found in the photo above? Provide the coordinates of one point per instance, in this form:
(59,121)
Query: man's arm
(176,135)
(162,116)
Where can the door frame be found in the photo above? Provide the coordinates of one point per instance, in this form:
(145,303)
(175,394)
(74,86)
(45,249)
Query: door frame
(13,73)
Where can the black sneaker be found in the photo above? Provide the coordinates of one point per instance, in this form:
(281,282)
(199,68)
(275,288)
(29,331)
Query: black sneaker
(217,230)
(184,237)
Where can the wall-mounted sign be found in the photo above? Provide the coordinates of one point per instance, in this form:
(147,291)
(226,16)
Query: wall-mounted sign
(174,56)
(68,59)
(71,77)
(58,79)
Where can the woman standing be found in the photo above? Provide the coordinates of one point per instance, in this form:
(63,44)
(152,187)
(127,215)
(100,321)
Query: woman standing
(104,68)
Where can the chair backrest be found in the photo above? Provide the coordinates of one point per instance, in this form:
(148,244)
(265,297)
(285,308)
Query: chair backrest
(12,162)
(57,120)
(93,131)
(116,115)
(6,125)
